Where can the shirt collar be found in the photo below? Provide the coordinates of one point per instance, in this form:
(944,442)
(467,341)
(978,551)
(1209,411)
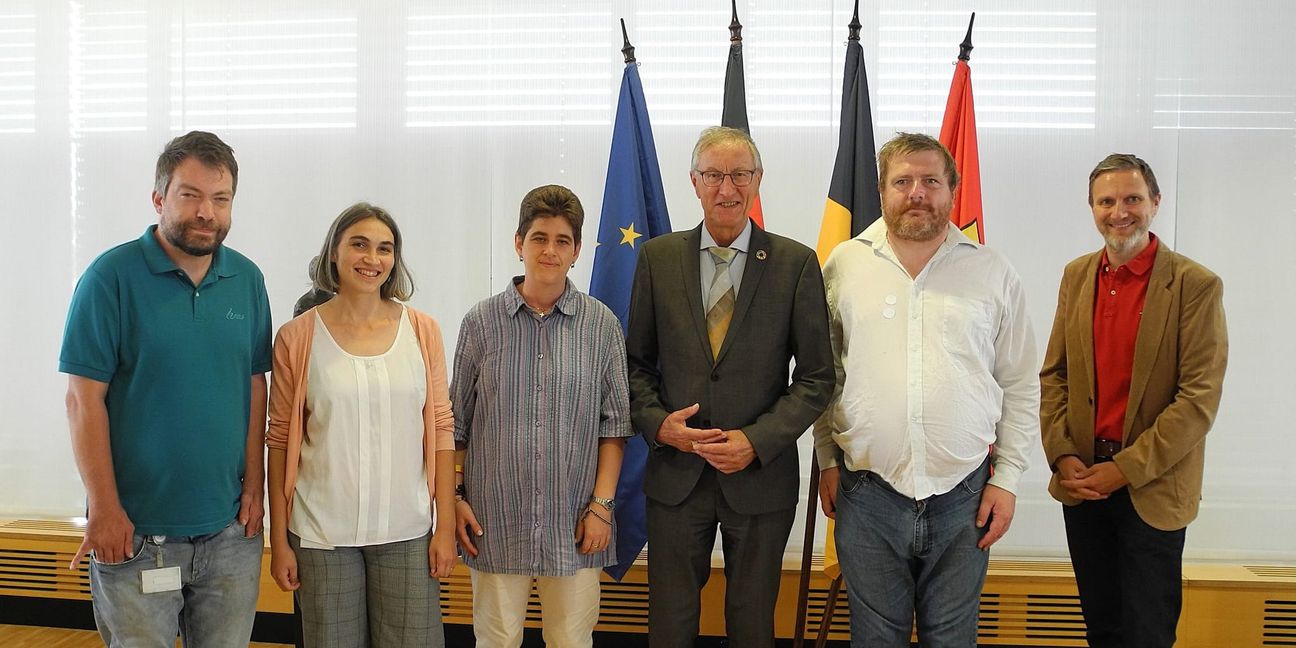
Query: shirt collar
(568,303)
(1142,262)
(740,244)
(159,263)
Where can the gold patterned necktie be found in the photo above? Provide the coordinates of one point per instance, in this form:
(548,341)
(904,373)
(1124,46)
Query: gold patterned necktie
(720,298)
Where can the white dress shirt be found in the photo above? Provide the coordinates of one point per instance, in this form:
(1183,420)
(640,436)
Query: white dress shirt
(931,370)
(362,480)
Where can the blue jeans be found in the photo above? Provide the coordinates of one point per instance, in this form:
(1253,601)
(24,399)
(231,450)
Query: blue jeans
(220,576)
(901,555)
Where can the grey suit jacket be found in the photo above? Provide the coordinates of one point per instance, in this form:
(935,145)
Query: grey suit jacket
(1175,386)
(780,315)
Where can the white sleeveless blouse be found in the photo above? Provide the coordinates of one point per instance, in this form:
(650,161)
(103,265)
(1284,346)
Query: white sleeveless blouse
(362,479)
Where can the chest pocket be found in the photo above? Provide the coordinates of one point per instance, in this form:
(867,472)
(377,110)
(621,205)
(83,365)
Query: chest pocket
(968,331)
(491,373)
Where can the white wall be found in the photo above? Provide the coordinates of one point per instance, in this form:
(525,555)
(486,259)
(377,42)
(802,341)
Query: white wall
(448,118)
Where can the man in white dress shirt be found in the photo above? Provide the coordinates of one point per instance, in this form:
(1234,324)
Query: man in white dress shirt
(936,406)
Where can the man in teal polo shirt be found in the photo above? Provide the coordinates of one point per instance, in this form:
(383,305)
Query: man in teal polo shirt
(166,348)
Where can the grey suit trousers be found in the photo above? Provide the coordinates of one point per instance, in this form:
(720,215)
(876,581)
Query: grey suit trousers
(680,541)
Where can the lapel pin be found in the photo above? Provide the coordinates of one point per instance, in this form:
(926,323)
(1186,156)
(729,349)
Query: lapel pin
(760,255)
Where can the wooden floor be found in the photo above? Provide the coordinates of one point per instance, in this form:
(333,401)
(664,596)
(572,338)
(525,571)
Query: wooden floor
(13,636)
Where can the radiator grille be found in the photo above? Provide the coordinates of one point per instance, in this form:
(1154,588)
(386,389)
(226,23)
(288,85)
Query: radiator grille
(1280,622)
(1024,603)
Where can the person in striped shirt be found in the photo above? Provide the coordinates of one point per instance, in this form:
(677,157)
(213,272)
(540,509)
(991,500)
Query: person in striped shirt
(541,415)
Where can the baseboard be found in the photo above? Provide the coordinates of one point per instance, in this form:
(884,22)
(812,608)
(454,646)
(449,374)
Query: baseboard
(1024,602)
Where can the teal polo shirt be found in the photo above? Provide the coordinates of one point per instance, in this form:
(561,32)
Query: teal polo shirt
(179,362)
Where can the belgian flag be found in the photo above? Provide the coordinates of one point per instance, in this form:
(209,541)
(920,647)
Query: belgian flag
(853,200)
(853,204)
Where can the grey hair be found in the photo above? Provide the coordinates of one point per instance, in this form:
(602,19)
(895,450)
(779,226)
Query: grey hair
(716,135)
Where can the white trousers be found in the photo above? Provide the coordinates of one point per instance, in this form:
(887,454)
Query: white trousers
(569,607)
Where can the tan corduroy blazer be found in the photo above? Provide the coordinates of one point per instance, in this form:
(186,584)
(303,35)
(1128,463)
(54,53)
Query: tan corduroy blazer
(1179,361)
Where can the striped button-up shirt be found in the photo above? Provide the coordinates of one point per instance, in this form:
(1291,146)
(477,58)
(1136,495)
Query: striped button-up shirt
(532,397)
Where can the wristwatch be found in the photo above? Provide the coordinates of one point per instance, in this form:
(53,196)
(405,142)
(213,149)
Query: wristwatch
(460,492)
(606,503)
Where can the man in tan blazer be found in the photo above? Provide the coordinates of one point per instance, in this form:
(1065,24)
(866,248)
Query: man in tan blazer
(1130,386)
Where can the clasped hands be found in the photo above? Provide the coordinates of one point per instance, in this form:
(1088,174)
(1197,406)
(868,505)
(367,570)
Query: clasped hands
(729,451)
(1094,482)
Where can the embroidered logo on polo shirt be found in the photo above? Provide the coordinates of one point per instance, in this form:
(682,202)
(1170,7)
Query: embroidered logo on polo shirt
(231,315)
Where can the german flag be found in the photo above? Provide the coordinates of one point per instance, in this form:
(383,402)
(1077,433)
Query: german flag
(734,112)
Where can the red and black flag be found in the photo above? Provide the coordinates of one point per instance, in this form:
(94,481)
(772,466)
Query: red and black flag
(958,134)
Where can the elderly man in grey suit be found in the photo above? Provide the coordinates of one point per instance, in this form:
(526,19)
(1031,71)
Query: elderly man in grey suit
(717,314)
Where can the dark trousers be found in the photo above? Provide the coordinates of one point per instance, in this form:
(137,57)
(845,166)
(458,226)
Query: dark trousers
(1130,574)
(680,539)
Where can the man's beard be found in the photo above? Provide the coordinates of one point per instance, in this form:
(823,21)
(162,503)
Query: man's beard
(175,234)
(1125,244)
(927,228)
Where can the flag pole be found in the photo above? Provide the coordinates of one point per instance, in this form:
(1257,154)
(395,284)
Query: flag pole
(734,111)
(812,497)
(628,49)
(735,27)
(965,48)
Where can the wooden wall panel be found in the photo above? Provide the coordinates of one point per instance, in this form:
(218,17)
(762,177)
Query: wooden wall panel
(1024,603)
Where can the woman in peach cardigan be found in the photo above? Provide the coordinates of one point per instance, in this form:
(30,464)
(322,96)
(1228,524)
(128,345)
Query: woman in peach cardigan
(362,449)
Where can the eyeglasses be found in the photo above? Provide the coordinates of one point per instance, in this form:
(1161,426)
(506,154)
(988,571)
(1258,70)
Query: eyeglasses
(740,178)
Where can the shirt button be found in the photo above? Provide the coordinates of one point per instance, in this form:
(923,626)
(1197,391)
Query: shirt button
(537,423)
(1113,292)
(540,355)
(537,525)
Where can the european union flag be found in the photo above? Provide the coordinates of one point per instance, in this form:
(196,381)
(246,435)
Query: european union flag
(634,210)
